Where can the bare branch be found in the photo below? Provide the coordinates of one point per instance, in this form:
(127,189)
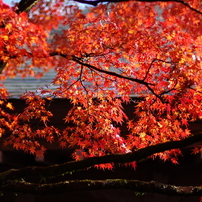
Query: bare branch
(76,185)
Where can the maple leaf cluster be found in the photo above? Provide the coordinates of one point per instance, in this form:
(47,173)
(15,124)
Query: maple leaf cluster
(104,56)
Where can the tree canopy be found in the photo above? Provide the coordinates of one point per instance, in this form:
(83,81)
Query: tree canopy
(103,56)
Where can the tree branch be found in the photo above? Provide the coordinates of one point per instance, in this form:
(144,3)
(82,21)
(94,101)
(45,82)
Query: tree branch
(2,65)
(25,5)
(72,166)
(76,185)
(79,61)
(96,2)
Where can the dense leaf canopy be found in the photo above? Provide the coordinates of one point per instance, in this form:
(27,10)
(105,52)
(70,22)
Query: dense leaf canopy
(104,56)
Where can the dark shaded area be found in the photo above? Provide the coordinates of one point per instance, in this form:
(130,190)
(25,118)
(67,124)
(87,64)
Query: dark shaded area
(188,172)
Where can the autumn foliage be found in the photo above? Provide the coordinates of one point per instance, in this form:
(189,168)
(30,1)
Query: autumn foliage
(103,56)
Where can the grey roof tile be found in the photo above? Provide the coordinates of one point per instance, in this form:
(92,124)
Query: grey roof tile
(17,86)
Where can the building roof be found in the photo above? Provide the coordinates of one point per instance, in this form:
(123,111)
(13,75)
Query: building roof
(17,86)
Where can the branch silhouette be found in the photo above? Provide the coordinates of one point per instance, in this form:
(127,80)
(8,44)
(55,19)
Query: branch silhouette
(61,169)
(96,2)
(78,185)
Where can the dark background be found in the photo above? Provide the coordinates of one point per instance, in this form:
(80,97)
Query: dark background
(188,172)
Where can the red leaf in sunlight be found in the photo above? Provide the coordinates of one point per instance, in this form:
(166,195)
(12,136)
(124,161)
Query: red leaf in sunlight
(9,106)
